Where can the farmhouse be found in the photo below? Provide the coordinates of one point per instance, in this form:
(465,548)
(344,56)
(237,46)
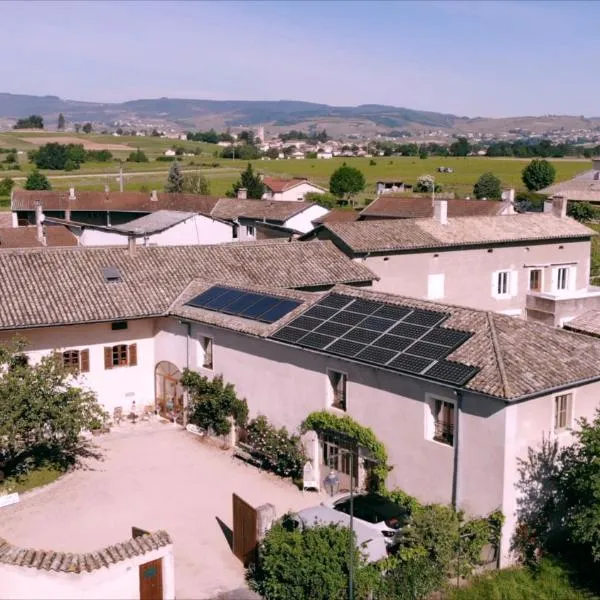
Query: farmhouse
(448,390)
(391,186)
(289,189)
(535,266)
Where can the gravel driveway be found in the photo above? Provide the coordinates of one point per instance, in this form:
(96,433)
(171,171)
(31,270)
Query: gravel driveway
(153,476)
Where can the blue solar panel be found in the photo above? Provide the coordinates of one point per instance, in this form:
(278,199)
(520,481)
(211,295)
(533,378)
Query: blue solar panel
(261,306)
(280,310)
(208,295)
(223,300)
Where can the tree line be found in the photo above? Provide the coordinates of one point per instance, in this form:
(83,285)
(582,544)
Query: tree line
(65,157)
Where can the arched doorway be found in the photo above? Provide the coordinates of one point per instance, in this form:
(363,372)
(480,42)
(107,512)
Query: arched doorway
(169,392)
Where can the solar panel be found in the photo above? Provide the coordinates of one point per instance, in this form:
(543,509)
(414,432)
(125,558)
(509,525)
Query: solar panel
(289,334)
(452,372)
(242,303)
(320,312)
(366,307)
(209,294)
(427,318)
(365,336)
(347,317)
(223,300)
(261,306)
(428,350)
(392,312)
(346,348)
(410,331)
(377,324)
(447,337)
(334,329)
(316,340)
(335,301)
(393,342)
(279,310)
(410,364)
(307,323)
(379,356)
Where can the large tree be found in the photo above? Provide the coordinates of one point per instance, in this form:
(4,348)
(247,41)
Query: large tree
(488,186)
(195,183)
(345,182)
(31,122)
(252,182)
(87,128)
(538,174)
(175,179)
(37,181)
(61,122)
(460,147)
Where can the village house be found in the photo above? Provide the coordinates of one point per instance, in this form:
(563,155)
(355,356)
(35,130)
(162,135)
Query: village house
(289,189)
(535,266)
(448,390)
(391,186)
(584,187)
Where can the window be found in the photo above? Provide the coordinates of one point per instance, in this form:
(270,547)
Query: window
(249,230)
(76,360)
(337,382)
(563,407)
(562,278)
(120,355)
(535,280)
(207,353)
(118,325)
(234,231)
(441,421)
(502,283)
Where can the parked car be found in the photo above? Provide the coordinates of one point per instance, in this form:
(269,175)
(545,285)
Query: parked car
(377,512)
(368,538)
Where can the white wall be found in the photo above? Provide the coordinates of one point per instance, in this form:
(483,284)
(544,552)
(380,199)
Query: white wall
(297,193)
(303,221)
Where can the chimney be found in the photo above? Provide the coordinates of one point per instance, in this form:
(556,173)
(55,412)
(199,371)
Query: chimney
(154,196)
(559,206)
(39,220)
(440,211)
(67,214)
(72,195)
(131,245)
(242,194)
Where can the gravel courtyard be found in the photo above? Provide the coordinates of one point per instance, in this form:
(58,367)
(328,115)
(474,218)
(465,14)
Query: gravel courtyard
(153,476)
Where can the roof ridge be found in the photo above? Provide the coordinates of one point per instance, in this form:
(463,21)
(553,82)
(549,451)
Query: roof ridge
(498,355)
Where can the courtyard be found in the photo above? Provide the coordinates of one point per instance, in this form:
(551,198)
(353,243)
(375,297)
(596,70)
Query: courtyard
(153,476)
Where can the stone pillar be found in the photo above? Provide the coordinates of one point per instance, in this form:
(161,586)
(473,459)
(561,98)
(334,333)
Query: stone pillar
(265,517)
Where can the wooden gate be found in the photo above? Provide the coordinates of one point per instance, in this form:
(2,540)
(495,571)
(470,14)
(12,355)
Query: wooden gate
(245,530)
(151,582)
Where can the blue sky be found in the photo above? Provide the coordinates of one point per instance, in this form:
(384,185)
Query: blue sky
(468,58)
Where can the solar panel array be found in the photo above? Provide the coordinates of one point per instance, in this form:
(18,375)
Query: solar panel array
(401,338)
(249,305)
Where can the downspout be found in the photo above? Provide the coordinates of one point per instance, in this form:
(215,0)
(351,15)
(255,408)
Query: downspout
(188,333)
(456,470)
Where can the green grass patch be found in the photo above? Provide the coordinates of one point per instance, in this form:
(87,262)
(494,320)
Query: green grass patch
(31,480)
(549,581)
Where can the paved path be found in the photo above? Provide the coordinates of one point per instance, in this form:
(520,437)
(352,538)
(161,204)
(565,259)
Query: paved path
(153,476)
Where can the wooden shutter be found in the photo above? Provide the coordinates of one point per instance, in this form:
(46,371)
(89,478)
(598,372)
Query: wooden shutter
(108,364)
(132,355)
(84,361)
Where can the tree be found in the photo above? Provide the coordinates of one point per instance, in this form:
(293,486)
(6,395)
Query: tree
(31,122)
(6,186)
(425,184)
(488,186)
(195,183)
(272,153)
(252,182)
(346,182)
(137,156)
(61,122)
(55,156)
(460,147)
(37,181)
(43,411)
(538,174)
(87,128)
(174,183)
(325,200)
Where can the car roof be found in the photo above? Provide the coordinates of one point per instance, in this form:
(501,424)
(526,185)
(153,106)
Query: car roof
(375,503)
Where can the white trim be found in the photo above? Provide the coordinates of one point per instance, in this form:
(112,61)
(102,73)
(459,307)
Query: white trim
(570,413)
(429,420)
(496,281)
(435,286)
(202,352)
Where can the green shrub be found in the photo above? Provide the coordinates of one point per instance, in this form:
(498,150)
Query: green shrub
(325,200)
(582,211)
(164,159)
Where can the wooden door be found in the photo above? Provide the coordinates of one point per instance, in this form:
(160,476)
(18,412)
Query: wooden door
(151,583)
(245,531)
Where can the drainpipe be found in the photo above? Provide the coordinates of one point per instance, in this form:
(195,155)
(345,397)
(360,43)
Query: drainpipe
(456,469)
(188,333)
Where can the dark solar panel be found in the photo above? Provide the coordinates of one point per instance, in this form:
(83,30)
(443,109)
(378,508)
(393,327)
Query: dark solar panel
(307,323)
(452,372)
(242,303)
(334,329)
(261,306)
(379,356)
(279,310)
(347,317)
(427,318)
(223,300)
(288,334)
(410,331)
(410,364)
(428,350)
(377,324)
(392,312)
(335,301)
(346,348)
(366,307)
(393,342)
(209,294)
(365,336)
(447,337)
(316,340)
(320,312)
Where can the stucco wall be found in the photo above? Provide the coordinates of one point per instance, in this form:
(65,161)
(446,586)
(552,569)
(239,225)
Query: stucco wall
(119,581)
(297,193)
(303,221)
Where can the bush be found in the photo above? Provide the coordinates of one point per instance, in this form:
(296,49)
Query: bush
(488,186)
(325,200)
(6,186)
(137,156)
(37,181)
(529,202)
(582,211)
(538,174)
(279,451)
(164,159)
(425,183)
(372,163)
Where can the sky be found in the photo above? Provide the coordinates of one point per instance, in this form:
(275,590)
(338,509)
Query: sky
(469,58)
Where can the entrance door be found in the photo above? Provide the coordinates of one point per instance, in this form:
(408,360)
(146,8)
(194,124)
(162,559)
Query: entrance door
(151,584)
(338,456)
(169,393)
(245,530)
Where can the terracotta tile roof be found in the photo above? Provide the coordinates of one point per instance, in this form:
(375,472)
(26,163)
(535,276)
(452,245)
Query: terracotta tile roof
(574,189)
(5,219)
(282,185)
(270,210)
(26,237)
(401,207)
(66,562)
(405,234)
(588,322)
(337,215)
(54,286)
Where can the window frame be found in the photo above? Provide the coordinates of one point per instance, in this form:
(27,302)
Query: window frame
(431,420)
(568,412)
(206,340)
(79,360)
(331,390)
(120,355)
(540,287)
(505,273)
(565,286)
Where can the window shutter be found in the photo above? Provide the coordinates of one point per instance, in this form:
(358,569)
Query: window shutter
(84,361)
(572,283)
(514,283)
(132,355)
(108,357)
